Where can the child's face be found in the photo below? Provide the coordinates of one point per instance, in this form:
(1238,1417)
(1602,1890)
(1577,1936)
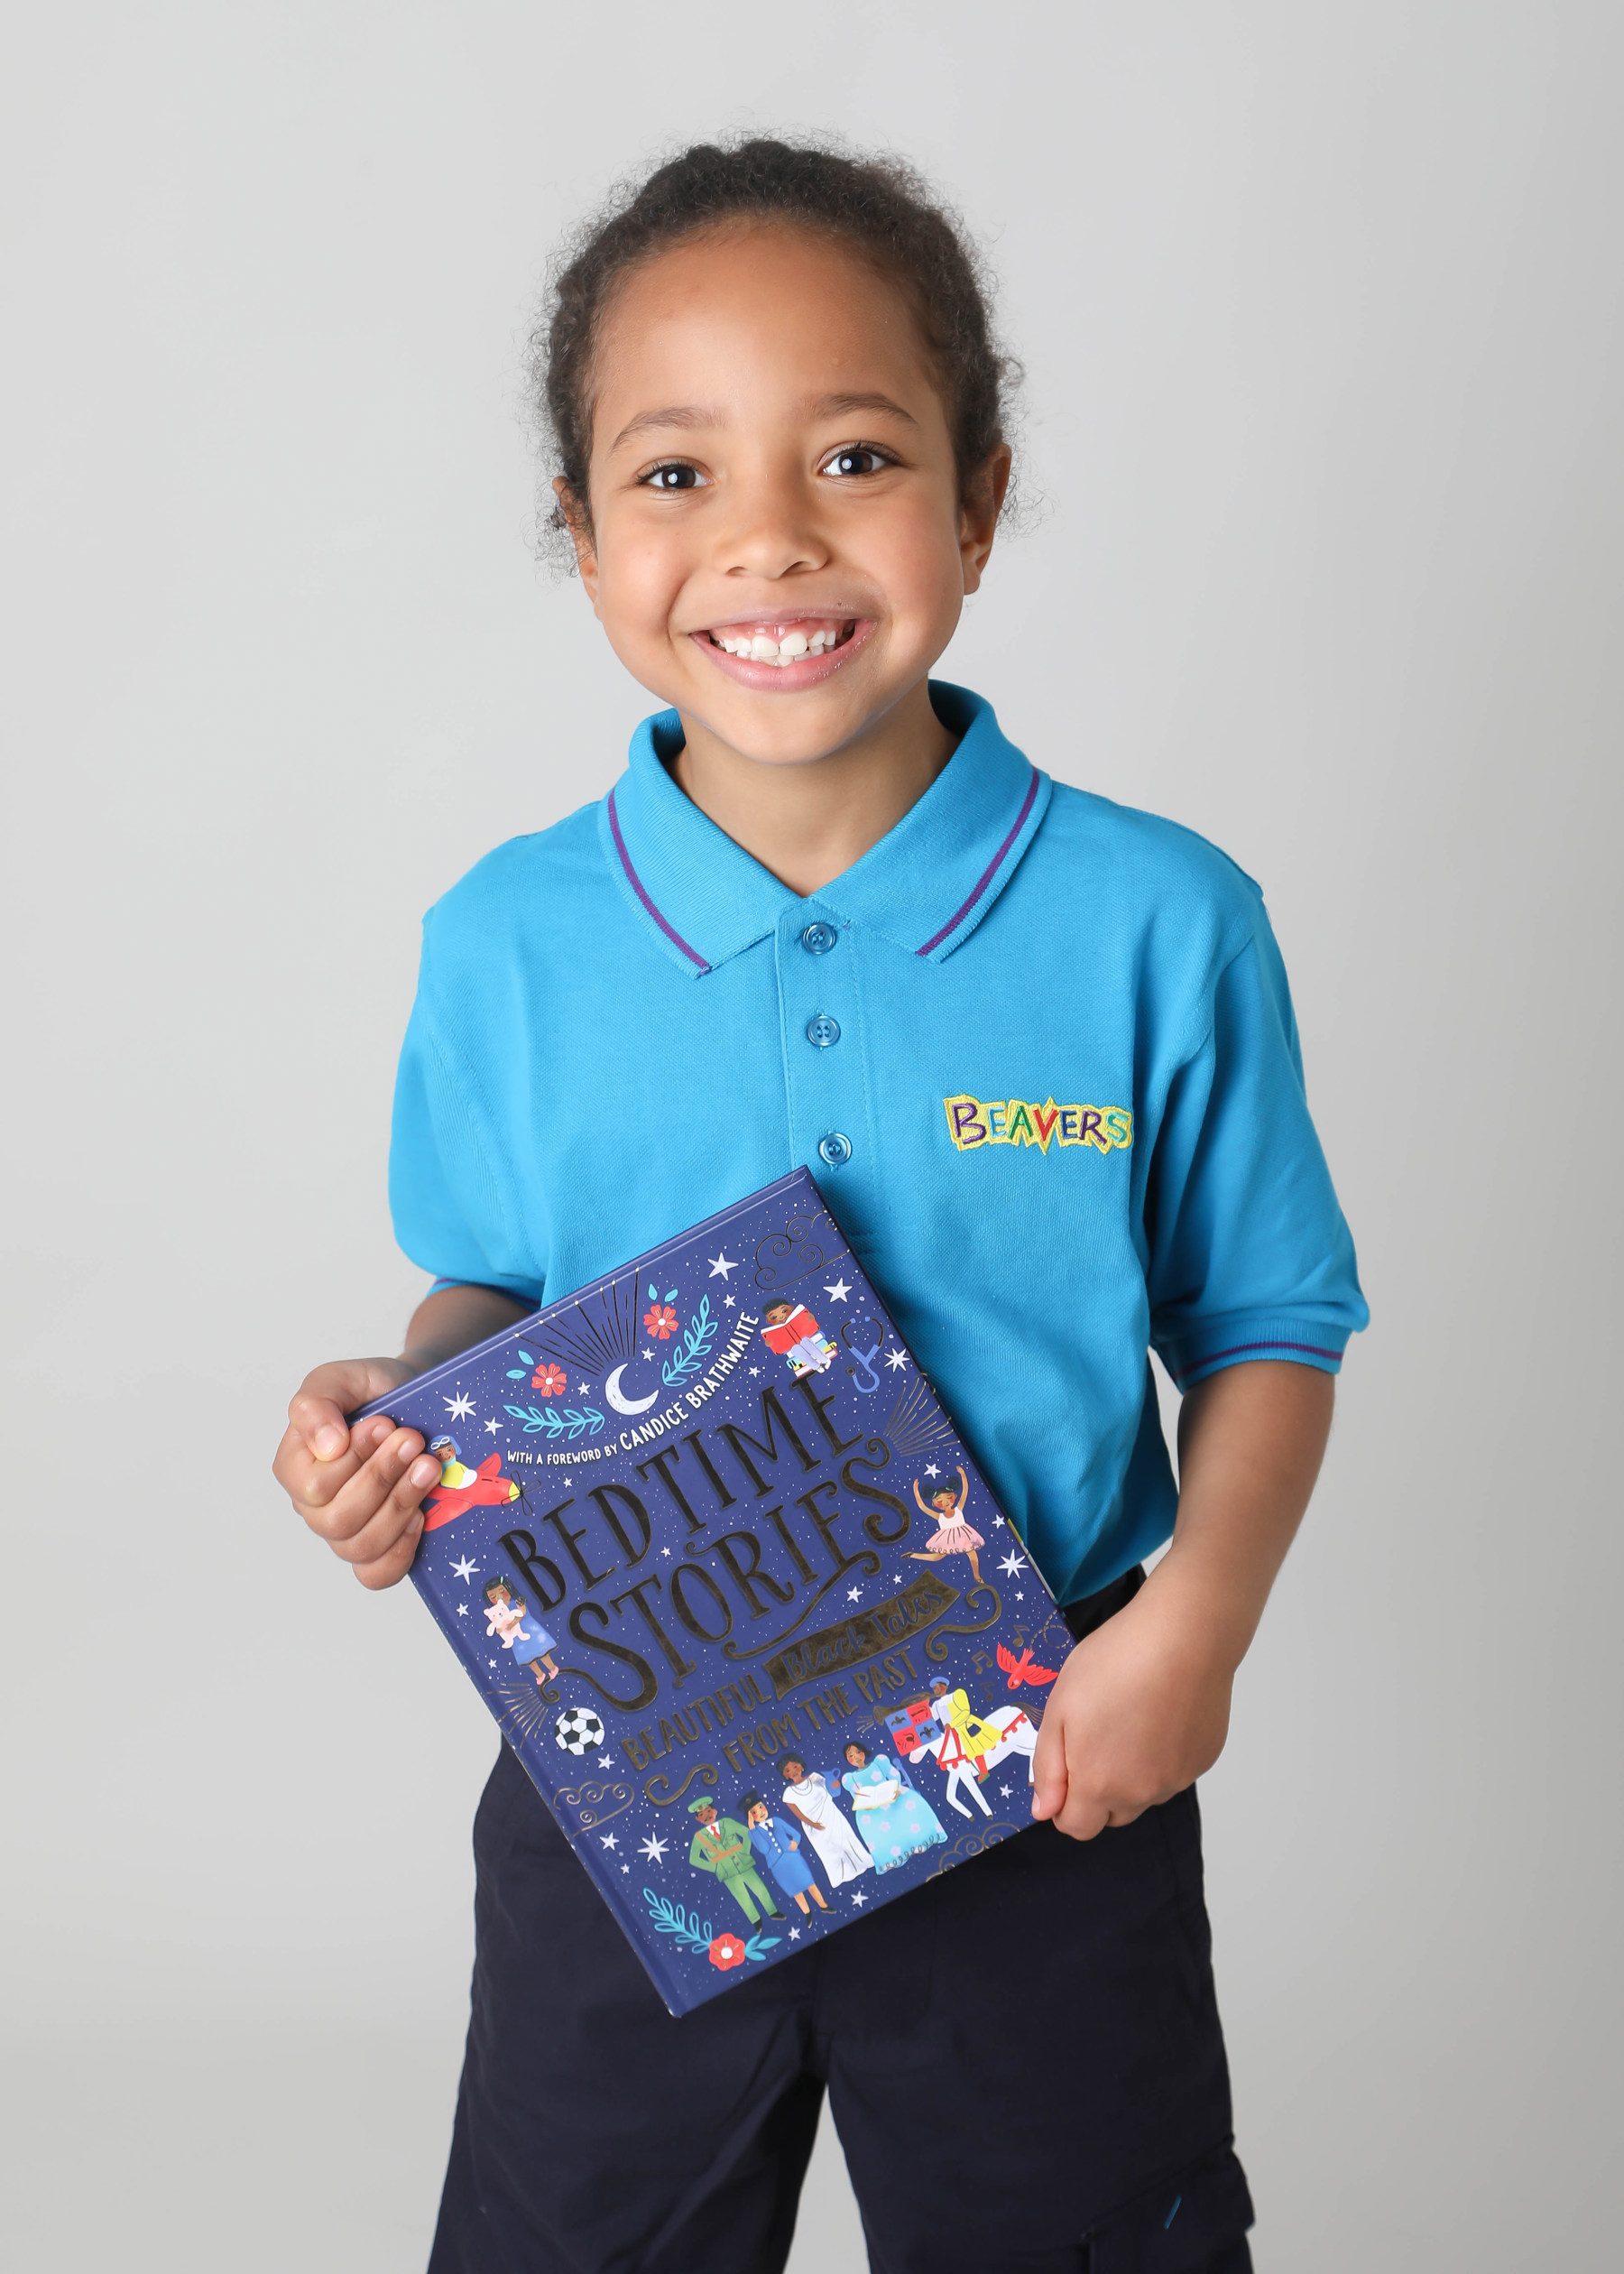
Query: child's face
(777,1313)
(785,387)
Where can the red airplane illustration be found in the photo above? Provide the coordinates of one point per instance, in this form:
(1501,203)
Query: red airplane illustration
(490,1488)
(1021,1670)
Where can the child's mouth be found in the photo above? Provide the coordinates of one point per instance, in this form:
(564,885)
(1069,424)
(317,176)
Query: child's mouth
(792,651)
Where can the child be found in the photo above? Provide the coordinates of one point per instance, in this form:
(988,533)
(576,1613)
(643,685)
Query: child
(793,1331)
(954,1534)
(511,1624)
(830,914)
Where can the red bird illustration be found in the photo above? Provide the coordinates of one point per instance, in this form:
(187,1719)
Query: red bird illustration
(489,1488)
(1021,1670)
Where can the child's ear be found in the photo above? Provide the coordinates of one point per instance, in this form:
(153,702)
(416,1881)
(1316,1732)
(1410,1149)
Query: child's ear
(572,511)
(979,509)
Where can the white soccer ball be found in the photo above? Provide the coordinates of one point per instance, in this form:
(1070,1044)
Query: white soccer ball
(578,1728)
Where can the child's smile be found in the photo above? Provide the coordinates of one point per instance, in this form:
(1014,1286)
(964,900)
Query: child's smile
(775,502)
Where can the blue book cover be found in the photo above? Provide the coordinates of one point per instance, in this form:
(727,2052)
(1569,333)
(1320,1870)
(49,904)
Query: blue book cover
(736,1591)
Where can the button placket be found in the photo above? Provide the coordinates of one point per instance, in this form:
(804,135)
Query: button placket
(821,1042)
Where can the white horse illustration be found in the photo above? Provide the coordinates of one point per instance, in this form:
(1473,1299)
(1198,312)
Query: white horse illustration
(1019,1735)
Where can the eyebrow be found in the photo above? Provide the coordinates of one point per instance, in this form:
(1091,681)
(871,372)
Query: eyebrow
(693,414)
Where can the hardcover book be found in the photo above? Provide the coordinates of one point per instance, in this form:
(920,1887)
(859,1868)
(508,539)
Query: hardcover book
(734,1590)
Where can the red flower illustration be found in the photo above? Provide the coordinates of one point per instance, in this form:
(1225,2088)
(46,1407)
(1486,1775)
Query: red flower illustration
(728,1950)
(660,1320)
(551,1381)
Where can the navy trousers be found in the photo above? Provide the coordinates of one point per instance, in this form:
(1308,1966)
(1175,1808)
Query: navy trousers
(1023,2060)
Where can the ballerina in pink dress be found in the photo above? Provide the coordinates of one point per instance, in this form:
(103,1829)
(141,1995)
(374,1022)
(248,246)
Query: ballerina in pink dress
(954,1534)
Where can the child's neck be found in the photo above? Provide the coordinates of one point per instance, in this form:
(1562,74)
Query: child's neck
(809,822)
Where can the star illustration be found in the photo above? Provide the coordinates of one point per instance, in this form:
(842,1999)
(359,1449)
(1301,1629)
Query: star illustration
(490,1661)
(462,1610)
(728,1302)
(854,1595)
(1019,1596)
(653,1847)
(755,1370)
(795,1934)
(610,1841)
(933,1470)
(719,1266)
(459,1407)
(625,1867)
(838,1292)
(998,1523)
(648,1354)
(492,1427)
(584,1388)
(860,1898)
(606,1762)
(1004,1791)
(1012,1563)
(665,1551)
(465,1569)
(898,1358)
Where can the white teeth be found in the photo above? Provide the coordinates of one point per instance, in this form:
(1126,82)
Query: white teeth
(760,647)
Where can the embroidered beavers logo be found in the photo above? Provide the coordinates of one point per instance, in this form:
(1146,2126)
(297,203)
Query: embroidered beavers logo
(973,1122)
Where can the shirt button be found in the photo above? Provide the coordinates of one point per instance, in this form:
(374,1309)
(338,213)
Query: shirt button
(822,1030)
(835,1149)
(818,938)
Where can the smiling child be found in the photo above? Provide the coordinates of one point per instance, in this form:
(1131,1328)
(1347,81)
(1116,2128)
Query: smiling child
(1038,1050)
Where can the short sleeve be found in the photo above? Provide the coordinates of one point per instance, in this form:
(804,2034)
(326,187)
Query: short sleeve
(1249,1256)
(452,1213)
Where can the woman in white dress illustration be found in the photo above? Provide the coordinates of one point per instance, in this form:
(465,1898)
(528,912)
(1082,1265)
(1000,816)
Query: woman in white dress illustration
(808,1798)
(954,1534)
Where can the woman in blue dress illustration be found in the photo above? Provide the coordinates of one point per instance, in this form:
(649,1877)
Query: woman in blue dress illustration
(891,1818)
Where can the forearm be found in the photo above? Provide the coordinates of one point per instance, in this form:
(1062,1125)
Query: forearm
(455,1318)
(1250,1441)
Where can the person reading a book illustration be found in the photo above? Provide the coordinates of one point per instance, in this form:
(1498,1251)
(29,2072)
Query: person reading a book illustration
(793,1331)
(829,914)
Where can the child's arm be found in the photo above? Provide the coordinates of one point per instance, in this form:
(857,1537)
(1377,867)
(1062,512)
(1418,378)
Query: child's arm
(359,1489)
(1142,1706)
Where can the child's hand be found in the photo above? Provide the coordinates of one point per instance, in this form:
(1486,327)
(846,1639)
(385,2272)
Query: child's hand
(358,1489)
(1141,1709)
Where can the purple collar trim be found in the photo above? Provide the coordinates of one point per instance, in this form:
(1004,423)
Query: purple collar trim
(635,881)
(988,874)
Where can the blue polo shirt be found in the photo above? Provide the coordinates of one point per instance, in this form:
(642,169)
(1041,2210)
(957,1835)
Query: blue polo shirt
(1037,1049)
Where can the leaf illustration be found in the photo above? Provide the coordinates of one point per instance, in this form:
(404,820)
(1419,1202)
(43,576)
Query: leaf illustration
(527,1358)
(515,1373)
(695,1344)
(670,1294)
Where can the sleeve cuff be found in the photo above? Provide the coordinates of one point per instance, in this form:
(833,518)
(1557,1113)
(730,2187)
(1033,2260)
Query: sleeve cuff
(1303,1342)
(529,1296)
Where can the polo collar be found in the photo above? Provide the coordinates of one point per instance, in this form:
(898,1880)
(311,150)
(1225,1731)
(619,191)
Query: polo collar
(923,887)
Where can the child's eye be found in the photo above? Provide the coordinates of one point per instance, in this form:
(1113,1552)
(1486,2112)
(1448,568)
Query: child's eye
(857,458)
(675,476)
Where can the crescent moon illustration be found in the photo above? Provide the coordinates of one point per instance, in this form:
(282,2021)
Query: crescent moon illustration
(612,1391)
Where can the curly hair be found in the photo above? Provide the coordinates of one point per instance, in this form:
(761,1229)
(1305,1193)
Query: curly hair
(879,206)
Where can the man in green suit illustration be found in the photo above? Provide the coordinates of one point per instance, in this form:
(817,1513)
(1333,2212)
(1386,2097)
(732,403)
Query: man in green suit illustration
(722,1846)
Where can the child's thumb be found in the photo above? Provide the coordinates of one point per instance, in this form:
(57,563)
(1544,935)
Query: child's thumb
(1048,1772)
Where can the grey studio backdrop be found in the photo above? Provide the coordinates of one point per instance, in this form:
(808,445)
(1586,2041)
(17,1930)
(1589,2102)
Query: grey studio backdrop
(1320,311)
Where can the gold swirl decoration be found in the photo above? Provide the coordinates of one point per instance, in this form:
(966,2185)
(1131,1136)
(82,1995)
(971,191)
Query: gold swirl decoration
(971,1843)
(936,1646)
(705,1772)
(589,1800)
